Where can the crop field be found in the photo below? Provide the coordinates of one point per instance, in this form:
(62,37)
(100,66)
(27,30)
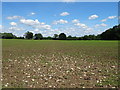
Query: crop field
(59,64)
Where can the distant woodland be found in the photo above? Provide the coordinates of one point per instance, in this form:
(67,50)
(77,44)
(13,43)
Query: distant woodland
(110,34)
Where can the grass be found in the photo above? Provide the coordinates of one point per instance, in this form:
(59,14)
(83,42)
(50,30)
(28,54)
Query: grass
(60,64)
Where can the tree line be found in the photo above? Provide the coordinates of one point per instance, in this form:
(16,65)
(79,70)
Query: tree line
(110,34)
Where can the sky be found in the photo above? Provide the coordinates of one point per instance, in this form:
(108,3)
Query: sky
(49,18)
(60,0)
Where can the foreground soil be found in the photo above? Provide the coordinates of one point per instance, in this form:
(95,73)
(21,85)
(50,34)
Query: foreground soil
(60,64)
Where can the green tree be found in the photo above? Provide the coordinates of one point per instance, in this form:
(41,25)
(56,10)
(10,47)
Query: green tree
(28,35)
(55,36)
(62,36)
(69,36)
(72,38)
(7,36)
(49,38)
(38,36)
(98,37)
(111,34)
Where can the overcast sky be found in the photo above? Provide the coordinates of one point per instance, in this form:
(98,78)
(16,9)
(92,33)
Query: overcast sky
(49,18)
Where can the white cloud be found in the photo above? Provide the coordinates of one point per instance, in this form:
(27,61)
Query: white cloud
(42,23)
(35,23)
(100,25)
(61,21)
(83,29)
(64,14)
(1,26)
(33,13)
(93,17)
(30,22)
(104,25)
(14,17)
(32,31)
(36,30)
(97,25)
(45,27)
(16,28)
(75,21)
(103,20)
(89,31)
(81,25)
(13,23)
(111,17)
